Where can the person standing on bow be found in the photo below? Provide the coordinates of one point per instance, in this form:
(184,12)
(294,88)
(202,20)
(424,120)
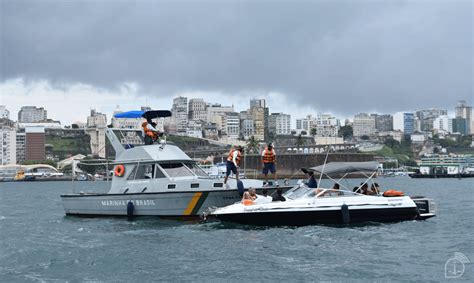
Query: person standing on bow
(233,161)
(269,160)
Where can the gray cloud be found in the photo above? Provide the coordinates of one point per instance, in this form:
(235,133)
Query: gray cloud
(346,56)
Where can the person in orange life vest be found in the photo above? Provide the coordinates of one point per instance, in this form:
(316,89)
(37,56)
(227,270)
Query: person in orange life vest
(151,133)
(233,161)
(269,160)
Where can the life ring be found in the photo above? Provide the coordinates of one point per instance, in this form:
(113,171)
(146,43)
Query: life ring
(119,170)
(393,193)
(247,202)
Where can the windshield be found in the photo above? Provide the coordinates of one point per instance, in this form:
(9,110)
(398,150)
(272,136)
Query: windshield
(300,191)
(176,169)
(196,169)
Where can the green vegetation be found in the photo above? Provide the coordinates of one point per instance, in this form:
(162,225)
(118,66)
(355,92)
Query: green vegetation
(252,145)
(400,151)
(346,132)
(462,145)
(63,147)
(299,141)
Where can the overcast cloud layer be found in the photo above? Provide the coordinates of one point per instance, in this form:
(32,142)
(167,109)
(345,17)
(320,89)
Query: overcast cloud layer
(339,56)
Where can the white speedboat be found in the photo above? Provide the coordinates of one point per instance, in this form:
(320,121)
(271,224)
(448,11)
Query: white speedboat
(307,206)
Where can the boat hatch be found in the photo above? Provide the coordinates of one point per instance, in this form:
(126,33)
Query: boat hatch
(171,186)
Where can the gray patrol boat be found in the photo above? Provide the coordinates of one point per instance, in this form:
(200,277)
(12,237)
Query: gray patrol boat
(157,180)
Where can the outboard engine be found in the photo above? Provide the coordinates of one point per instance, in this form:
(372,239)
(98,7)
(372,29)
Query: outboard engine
(426,207)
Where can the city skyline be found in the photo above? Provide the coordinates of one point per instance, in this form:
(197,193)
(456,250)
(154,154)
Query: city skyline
(341,58)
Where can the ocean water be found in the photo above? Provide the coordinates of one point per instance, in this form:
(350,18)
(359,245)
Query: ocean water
(38,243)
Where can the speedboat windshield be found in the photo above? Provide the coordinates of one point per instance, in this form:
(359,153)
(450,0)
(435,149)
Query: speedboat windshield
(299,192)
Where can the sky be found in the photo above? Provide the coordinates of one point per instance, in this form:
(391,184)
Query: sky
(303,57)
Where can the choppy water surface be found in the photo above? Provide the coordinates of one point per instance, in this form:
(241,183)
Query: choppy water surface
(39,243)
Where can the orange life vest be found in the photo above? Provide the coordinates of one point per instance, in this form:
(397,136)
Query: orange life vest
(247,202)
(149,132)
(268,156)
(231,156)
(393,193)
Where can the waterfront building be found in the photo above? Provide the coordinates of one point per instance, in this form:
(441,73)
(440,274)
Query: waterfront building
(405,122)
(464,111)
(383,123)
(4,113)
(443,123)
(32,114)
(427,117)
(7,142)
(279,124)
(446,164)
(34,144)
(363,125)
(326,126)
(180,114)
(96,127)
(197,109)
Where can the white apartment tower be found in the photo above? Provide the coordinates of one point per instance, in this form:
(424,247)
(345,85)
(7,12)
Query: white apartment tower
(7,142)
(32,114)
(180,114)
(197,109)
(364,125)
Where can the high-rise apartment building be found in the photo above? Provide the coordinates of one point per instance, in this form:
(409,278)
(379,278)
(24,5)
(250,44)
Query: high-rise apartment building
(326,125)
(279,124)
(463,110)
(197,109)
(180,114)
(232,125)
(7,142)
(20,147)
(364,125)
(32,114)
(405,122)
(305,124)
(426,118)
(383,123)
(443,123)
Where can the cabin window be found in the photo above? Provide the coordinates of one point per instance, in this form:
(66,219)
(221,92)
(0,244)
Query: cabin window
(176,169)
(196,169)
(142,171)
(159,174)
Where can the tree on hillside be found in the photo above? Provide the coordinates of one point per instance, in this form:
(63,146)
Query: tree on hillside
(313,132)
(299,141)
(346,132)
